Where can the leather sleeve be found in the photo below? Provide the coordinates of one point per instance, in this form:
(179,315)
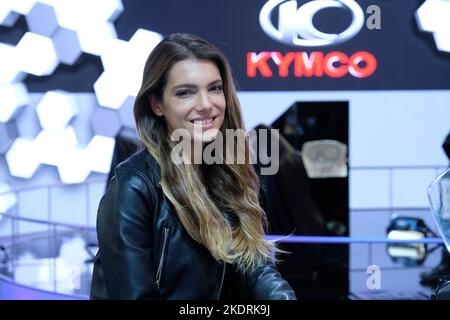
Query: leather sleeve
(124,228)
(266,283)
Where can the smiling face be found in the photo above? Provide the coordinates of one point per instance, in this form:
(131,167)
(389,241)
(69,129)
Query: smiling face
(193,99)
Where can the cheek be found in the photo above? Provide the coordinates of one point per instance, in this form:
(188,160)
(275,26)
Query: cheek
(221,103)
(177,113)
(175,119)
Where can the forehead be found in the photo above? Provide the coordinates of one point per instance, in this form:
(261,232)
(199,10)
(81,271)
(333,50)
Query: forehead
(193,72)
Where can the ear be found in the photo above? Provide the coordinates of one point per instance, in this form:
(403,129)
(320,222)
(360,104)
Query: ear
(155,105)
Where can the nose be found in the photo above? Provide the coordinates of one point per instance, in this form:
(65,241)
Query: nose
(204,103)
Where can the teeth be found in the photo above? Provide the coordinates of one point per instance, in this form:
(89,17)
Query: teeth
(202,122)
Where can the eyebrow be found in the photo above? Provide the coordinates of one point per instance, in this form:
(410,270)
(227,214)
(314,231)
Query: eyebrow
(193,86)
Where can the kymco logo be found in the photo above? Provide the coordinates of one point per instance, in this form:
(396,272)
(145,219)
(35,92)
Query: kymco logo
(295,25)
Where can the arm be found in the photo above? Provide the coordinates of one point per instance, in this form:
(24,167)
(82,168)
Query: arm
(124,228)
(266,283)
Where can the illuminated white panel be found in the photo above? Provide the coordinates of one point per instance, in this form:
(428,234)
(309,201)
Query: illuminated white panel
(22,158)
(23,6)
(9,67)
(442,39)
(94,37)
(73,167)
(432,16)
(36,54)
(8,199)
(109,89)
(70,11)
(123,63)
(141,44)
(12,97)
(146,40)
(42,19)
(56,109)
(53,145)
(99,153)
(115,50)
(105,10)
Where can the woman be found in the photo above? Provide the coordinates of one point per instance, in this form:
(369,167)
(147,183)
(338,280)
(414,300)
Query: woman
(170,230)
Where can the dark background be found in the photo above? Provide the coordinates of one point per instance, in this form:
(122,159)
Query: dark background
(407,58)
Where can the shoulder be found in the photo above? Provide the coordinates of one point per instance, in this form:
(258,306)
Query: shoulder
(132,191)
(141,167)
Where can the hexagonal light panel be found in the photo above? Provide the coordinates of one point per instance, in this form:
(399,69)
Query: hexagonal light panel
(12,98)
(99,153)
(53,145)
(22,158)
(433,16)
(8,133)
(115,50)
(58,35)
(67,46)
(106,10)
(73,167)
(23,6)
(56,109)
(124,79)
(95,28)
(95,37)
(36,54)
(8,198)
(70,11)
(42,19)
(105,122)
(141,44)
(109,91)
(9,67)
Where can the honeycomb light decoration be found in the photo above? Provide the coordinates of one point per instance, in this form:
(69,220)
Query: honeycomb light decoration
(57,35)
(433,16)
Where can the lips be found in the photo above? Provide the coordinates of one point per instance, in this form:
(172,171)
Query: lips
(204,123)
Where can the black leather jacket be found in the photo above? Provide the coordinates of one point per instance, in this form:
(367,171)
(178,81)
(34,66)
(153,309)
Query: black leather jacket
(145,253)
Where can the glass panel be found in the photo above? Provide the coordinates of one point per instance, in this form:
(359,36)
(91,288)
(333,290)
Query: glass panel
(439,196)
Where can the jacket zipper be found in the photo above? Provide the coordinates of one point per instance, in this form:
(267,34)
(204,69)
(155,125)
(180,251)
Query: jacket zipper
(217,295)
(161,260)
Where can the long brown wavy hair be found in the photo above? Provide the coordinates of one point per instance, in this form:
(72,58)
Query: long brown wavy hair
(222,211)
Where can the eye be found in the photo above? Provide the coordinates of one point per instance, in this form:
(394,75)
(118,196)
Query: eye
(183,93)
(217,88)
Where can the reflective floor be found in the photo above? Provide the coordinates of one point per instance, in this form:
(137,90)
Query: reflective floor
(60,260)
(398,278)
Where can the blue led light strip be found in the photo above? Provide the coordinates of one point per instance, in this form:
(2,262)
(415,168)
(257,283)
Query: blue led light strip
(315,239)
